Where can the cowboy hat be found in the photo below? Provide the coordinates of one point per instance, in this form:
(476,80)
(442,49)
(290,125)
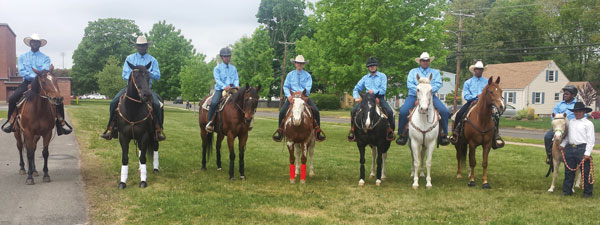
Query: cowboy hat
(141,40)
(580,106)
(478,65)
(299,59)
(35,37)
(424,56)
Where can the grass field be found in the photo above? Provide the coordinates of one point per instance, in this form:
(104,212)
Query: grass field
(183,194)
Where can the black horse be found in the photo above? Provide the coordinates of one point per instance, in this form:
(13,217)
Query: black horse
(370,129)
(134,121)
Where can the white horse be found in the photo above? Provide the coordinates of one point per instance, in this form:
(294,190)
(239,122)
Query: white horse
(423,131)
(560,125)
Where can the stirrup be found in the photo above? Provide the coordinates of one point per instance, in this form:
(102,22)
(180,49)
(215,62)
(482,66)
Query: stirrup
(320,132)
(496,145)
(107,135)
(351,137)
(209,127)
(7,129)
(277,136)
(160,135)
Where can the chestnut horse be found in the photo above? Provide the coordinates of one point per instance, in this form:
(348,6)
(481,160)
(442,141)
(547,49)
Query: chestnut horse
(299,135)
(479,130)
(233,121)
(36,118)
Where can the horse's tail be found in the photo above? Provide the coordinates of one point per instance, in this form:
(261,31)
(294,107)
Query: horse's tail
(209,144)
(550,168)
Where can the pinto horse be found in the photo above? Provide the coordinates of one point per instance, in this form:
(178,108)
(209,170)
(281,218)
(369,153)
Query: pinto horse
(299,135)
(423,130)
(479,130)
(371,128)
(36,118)
(233,121)
(560,126)
(134,121)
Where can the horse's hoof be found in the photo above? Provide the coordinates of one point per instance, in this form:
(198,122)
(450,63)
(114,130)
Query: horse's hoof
(458,176)
(143,184)
(156,170)
(428,187)
(471,184)
(551,190)
(242,177)
(46,179)
(22,172)
(311,174)
(122,185)
(415,187)
(372,176)
(219,169)
(29,182)
(203,168)
(378,182)
(302,181)
(486,186)
(231,179)
(35,174)
(361,183)
(422,175)
(292,181)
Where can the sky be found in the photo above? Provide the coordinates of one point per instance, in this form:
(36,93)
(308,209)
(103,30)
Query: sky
(210,25)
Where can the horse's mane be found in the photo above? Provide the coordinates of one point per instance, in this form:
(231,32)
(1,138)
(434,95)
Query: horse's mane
(239,96)
(35,86)
(424,80)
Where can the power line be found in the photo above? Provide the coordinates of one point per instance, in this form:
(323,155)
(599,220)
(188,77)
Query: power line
(533,48)
(523,53)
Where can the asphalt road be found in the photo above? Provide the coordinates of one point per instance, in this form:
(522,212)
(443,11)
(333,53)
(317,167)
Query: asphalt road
(61,201)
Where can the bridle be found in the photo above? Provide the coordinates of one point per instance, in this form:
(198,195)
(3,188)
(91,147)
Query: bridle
(365,129)
(42,89)
(125,96)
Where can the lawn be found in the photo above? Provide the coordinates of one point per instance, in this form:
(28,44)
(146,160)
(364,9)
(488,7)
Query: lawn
(183,194)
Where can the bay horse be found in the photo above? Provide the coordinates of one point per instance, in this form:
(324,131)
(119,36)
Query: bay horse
(299,134)
(36,118)
(560,126)
(135,122)
(478,129)
(423,131)
(234,121)
(371,127)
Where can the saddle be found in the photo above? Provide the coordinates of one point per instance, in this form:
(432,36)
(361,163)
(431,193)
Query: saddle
(224,98)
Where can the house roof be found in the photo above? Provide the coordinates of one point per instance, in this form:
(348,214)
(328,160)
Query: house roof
(580,84)
(5,24)
(516,75)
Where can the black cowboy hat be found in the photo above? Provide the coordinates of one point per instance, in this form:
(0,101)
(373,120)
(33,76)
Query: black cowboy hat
(579,106)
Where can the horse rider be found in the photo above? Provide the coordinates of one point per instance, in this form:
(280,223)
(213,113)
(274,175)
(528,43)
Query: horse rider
(298,80)
(226,77)
(564,106)
(577,147)
(28,61)
(436,83)
(374,82)
(141,57)
(471,90)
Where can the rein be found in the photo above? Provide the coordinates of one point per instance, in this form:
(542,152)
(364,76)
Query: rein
(45,95)
(133,123)
(591,176)
(436,121)
(362,127)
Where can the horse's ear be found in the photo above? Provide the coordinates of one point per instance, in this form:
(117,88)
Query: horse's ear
(418,77)
(430,76)
(51,68)
(247,86)
(553,115)
(565,115)
(490,80)
(148,65)
(304,92)
(36,71)
(130,65)
(498,80)
(258,88)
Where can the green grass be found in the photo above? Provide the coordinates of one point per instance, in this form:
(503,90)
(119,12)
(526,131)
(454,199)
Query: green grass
(183,194)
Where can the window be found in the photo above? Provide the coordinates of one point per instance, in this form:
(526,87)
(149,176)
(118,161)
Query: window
(510,97)
(537,98)
(557,96)
(551,75)
(442,97)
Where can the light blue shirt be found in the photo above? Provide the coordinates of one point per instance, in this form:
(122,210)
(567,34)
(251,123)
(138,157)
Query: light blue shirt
(137,59)
(297,81)
(473,87)
(377,83)
(32,60)
(412,82)
(563,107)
(225,75)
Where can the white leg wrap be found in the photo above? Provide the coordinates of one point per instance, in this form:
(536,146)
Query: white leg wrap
(143,172)
(124,171)
(155,161)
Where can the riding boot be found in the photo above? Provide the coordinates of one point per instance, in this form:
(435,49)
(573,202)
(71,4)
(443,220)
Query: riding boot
(443,139)
(278,135)
(320,134)
(498,142)
(61,122)
(351,137)
(403,138)
(160,135)
(8,126)
(454,137)
(209,126)
(110,132)
(390,134)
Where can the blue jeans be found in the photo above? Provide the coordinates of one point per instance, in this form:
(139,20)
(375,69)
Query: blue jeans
(409,104)
(548,140)
(573,156)
(157,111)
(214,103)
(385,106)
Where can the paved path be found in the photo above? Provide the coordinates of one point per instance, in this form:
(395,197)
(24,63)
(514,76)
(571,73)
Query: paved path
(61,201)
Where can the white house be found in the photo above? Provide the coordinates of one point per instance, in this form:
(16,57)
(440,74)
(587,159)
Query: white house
(536,84)
(447,85)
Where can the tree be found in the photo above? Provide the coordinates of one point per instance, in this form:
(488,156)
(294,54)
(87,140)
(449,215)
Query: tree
(587,94)
(395,32)
(110,80)
(196,78)
(171,50)
(102,39)
(253,58)
(450,99)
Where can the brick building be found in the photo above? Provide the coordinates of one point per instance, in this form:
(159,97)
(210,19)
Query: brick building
(9,78)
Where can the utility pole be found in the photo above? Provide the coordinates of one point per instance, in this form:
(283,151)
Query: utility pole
(63,59)
(285,45)
(457,77)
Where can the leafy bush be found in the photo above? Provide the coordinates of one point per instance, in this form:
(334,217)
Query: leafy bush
(596,114)
(326,101)
(530,113)
(521,114)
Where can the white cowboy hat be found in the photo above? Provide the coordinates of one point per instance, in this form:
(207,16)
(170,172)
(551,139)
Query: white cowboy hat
(141,40)
(35,37)
(299,59)
(424,56)
(478,65)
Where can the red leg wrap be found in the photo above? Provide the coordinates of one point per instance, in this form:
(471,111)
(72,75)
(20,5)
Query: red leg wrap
(303,172)
(292,171)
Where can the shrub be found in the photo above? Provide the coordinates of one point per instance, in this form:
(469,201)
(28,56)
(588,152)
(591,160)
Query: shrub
(596,114)
(326,101)
(530,113)
(521,114)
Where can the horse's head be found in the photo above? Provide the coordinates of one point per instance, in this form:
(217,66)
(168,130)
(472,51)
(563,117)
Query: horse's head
(559,125)
(139,81)
(367,110)
(250,101)
(46,85)
(424,93)
(299,105)
(493,94)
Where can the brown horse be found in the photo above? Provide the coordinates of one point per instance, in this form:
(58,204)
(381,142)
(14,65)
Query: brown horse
(233,121)
(299,134)
(479,130)
(36,118)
